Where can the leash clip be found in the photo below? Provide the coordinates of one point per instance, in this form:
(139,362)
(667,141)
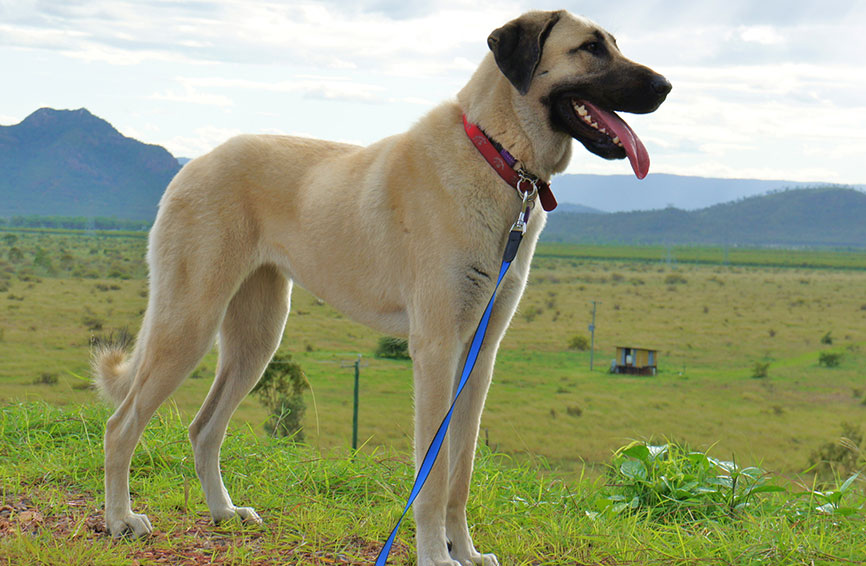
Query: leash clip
(528,195)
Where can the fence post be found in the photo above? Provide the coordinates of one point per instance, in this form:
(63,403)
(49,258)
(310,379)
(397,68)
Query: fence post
(355,404)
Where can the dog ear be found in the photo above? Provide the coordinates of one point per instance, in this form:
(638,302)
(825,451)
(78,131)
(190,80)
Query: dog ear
(517,46)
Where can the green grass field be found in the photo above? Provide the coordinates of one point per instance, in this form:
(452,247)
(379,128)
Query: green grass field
(335,509)
(547,412)
(710,323)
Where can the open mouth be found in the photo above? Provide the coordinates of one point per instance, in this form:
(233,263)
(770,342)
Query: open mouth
(601,131)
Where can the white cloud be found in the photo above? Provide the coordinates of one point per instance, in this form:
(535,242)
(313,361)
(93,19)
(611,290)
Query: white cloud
(201,141)
(192,96)
(758,87)
(765,35)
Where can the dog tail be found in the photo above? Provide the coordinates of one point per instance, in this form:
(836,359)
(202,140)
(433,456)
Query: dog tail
(112,366)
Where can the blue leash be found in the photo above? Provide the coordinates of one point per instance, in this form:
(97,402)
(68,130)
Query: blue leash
(514,239)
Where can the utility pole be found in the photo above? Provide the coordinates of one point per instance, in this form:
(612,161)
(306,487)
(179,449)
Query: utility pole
(592,334)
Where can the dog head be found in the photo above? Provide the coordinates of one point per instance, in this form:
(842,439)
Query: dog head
(573,71)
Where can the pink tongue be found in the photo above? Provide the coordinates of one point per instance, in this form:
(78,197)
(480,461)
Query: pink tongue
(634,148)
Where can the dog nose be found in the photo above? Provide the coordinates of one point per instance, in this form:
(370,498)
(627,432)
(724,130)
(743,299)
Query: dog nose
(661,85)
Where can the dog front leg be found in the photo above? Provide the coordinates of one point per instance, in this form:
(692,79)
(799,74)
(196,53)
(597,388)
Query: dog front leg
(434,364)
(464,436)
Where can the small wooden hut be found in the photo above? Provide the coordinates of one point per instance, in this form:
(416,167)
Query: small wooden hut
(635,361)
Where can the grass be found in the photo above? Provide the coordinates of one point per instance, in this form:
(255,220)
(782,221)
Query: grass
(327,508)
(711,323)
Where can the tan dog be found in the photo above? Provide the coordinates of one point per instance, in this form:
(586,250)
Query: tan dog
(405,235)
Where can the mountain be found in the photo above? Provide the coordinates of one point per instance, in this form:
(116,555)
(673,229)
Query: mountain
(577,208)
(621,193)
(828,216)
(72,163)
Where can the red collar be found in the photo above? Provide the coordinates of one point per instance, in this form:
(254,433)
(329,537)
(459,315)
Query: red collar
(503,163)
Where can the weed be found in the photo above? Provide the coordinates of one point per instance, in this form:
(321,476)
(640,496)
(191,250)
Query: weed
(827,338)
(830,501)
(675,279)
(672,482)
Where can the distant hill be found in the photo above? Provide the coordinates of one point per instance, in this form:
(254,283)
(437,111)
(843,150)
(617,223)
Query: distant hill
(623,193)
(578,208)
(72,163)
(799,217)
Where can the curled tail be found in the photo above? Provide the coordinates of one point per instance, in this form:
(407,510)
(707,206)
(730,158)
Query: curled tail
(112,367)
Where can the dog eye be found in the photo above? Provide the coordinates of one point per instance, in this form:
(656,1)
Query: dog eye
(593,47)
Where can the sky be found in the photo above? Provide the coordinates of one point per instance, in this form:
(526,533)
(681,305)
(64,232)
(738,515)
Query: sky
(763,90)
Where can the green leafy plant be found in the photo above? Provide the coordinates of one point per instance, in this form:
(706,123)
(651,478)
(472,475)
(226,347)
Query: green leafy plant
(672,481)
(830,501)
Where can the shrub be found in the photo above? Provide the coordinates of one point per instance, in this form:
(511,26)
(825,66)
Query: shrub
(760,370)
(15,255)
(46,379)
(841,457)
(281,390)
(393,348)
(92,323)
(830,359)
(578,342)
(827,339)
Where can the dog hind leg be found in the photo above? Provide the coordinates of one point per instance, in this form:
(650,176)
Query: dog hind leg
(171,343)
(249,336)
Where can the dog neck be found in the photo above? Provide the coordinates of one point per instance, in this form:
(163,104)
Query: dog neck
(490,101)
(503,163)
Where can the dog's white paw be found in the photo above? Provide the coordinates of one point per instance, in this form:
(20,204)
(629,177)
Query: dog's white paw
(480,560)
(132,524)
(247,515)
(488,560)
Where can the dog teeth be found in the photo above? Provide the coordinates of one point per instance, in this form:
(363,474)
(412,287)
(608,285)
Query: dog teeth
(584,115)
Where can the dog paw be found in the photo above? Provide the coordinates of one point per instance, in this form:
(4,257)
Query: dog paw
(479,560)
(247,515)
(134,525)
